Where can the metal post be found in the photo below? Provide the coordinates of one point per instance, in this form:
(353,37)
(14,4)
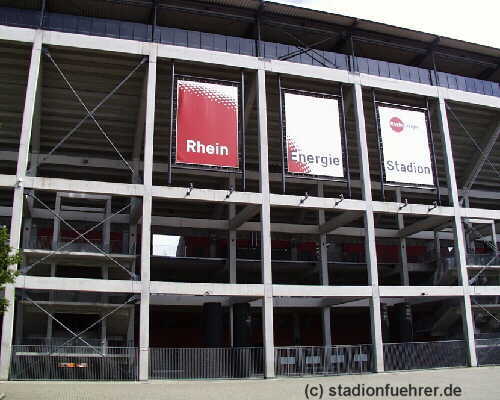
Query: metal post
(405,277)
(265,215)
(467,317)
(17,206)
(231,247)
(326,318)
(370,250)
(147,205)
(56,227)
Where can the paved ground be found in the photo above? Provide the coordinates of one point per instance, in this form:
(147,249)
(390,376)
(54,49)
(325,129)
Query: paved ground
(474,383)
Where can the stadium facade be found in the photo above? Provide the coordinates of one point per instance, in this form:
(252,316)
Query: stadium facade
(241,188)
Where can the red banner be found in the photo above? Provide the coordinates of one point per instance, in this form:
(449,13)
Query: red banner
(207,124)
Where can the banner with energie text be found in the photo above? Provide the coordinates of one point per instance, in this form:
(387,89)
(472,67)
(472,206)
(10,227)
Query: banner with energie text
(207,124)
(406,151)
(313,135)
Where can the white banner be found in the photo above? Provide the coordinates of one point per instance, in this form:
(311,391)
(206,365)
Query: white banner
(407,156)
(313,135)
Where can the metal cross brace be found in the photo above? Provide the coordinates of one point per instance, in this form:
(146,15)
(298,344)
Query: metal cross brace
(486,311)
(132,298)
(82,235)
(89,113)
(473,142)
(60,323)
(306,49)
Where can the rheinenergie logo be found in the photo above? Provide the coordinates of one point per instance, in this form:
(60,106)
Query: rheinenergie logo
(396,124)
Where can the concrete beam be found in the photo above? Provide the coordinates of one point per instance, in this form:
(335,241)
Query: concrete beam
(244,215)
(340,221)
(207,289)
(248,62)
(208,195)
(70,185)
(411,209)
(421,291)
(77,284)
(316,203)
(426,224)
(321,291)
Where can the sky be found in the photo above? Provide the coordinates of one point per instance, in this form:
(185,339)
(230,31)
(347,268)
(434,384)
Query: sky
(472,21)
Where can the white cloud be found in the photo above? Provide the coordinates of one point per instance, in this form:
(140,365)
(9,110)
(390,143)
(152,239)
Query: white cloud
(475,22)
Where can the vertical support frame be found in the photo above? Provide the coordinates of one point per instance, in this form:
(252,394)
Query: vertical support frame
(433,152)
(17,207)
(147,205)
(283,138)
(265,215)
(172,96)
(345,146)
(380,146)
(243,133)
(458,231)
(370,249)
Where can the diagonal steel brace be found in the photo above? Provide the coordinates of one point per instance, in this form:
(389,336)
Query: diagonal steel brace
(132,275)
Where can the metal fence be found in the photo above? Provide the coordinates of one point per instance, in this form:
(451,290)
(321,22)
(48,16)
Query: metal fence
(424,355)
(34,362)
(315,360)
(488,351)
(206,363)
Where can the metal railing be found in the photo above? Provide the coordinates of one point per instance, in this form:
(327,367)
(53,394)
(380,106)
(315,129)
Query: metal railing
(45,243)
(488,351)
(73,363)
(424,355)
(317,360)
(206,363)
(489,259)
(58,341)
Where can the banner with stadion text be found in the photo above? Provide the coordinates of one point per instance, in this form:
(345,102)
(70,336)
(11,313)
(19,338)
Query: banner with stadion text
(313,135)
(406,151)
(207,124)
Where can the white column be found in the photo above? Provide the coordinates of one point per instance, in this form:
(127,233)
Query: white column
(458,232)
(370,250)
(146,218)
(265,217)
(17,206)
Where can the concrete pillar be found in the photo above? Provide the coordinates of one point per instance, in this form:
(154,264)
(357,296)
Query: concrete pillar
(17,206)
(325,279)
(147,205)
(458,232)
(370,250)
(265,217)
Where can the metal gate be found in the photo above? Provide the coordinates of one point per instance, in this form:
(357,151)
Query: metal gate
(35,362)
(206,363)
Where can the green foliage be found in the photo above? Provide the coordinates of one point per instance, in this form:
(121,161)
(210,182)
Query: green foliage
(8,257)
